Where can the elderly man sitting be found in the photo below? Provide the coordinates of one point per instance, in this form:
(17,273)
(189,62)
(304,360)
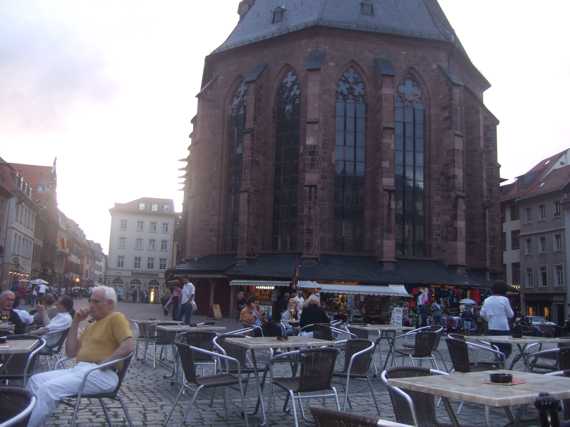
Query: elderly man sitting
(8,314)
(109,337)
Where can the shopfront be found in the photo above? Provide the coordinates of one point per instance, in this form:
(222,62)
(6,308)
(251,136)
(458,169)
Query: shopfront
(266,292)
(549,306)
(354,302)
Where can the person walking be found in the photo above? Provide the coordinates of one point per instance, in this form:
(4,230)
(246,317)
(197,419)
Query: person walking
(187,302)
(497,311)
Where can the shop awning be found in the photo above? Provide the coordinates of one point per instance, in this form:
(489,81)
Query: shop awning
(260,283)
(388,291)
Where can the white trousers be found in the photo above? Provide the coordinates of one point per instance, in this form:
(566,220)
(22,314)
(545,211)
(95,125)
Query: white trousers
(53,386)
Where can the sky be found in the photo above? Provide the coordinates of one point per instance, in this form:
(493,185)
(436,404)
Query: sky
(108,87)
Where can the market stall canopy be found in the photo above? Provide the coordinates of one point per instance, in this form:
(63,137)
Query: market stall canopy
(260,283)
(39,282)
(387,291)
(467,301)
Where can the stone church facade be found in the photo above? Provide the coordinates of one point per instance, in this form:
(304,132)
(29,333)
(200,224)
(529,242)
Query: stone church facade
(343,129)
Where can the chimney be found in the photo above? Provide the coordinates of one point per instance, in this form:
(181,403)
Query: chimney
(244,7)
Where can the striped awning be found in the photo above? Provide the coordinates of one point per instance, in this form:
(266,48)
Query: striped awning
(388,291)
(260,283)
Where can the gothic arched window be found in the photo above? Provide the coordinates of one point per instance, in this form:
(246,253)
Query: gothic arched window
(237,131)
(409,162)
(285,184)
(350,162)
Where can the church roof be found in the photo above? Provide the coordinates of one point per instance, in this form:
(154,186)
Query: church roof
(412,18)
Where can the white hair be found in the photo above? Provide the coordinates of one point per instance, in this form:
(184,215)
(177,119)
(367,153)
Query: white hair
(109,293)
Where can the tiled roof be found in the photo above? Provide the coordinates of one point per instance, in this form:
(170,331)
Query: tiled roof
(553,182)
(164,206)
(548,175)
(412,18)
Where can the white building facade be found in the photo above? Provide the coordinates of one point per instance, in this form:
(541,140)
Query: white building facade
(141,248)
(20,217)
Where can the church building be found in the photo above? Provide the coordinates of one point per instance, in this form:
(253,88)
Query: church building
(341,142)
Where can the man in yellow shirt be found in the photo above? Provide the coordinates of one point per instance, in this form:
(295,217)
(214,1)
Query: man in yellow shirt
(108,337)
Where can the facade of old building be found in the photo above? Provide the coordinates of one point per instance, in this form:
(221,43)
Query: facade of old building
(43,180)
(536,223)
(141,248)
(333,134)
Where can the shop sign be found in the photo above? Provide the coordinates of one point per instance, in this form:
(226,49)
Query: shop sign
(397,317)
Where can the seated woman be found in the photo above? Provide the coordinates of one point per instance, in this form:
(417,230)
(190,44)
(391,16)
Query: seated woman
(59,323)
(291,317)
(250,315)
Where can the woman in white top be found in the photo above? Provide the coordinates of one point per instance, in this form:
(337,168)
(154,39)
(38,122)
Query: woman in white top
(497,311)
(60,323)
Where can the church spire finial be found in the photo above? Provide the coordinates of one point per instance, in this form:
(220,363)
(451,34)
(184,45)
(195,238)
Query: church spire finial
(244,6)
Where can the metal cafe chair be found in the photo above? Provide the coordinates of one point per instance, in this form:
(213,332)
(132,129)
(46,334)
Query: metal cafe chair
(410,407)
(423,349)
(16,405)
(554,359)
(328,418)
(316,367)
(146,335)
(460,351)
(225,380)
(121,366)
(204,340)
(326,331)
(18,367)
(54,345)
(358,355)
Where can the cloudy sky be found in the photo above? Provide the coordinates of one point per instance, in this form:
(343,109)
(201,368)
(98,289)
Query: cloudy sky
(108,87)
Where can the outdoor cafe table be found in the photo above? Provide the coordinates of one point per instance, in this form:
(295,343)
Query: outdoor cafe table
(475,387)
(254,344)
(385,332)
(520,343)
(186,328)
(14,347)
(17,347)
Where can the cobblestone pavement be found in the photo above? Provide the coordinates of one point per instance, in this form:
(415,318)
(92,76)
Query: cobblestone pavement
(149,397)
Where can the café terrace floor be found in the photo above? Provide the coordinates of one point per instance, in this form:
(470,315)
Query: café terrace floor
(149,397)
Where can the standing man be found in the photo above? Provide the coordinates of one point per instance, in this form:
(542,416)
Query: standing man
(186,301)
(108,338)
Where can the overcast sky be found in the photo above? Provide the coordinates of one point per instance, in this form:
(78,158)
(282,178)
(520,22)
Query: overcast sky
(108,87)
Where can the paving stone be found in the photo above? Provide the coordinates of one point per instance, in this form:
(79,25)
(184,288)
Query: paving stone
(149,397)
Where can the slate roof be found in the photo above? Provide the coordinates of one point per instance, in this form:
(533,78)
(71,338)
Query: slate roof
(412,18)
(329,268)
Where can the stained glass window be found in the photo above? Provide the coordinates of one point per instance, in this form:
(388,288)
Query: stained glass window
(350,162)
(237,131)
(286,180)
(409,163)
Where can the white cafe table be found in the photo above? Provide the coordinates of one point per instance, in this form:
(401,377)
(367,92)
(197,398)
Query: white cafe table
(254,344)
(17,347)
(521,344)
(475,387)
(186,328)
(12,348)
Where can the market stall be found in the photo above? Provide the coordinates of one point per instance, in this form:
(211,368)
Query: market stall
(265,291)
(350,301)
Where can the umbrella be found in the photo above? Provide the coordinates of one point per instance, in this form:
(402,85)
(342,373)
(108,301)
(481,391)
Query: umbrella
(467,301)
(39,282)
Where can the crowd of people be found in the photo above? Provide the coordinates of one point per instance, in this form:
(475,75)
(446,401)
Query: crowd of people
(290,313)
(106,337)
